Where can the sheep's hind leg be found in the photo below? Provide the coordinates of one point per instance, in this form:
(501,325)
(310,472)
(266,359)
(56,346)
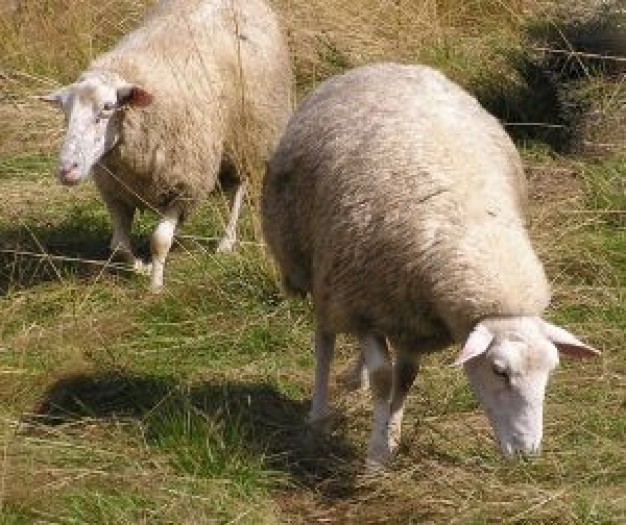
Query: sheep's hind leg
(160,245)
(230,233)
(404,372)
(378,361)
(122,216)
(323,346)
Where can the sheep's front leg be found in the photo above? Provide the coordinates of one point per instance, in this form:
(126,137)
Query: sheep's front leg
(122,216)
(230,233)
(160,245)
(378,361)
(404,373)
(323,346)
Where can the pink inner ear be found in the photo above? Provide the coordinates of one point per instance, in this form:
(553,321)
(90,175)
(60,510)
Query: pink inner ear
(567,344)
(577,351)
(477,343)
(140,97)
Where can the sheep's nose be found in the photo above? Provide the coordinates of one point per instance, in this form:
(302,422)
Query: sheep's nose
(66,170)
(68,174)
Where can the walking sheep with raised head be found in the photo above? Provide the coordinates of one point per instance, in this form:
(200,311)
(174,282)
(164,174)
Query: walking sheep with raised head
(200,90)
(398,202)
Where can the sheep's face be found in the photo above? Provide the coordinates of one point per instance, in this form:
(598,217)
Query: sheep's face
(92,111)
(510,380)
(508,363)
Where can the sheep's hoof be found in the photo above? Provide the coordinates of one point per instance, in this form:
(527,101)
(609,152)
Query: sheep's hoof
(141,268)
(394,442)
(156,286)
(226,245)
(379,454)
(374,466)
(378,461)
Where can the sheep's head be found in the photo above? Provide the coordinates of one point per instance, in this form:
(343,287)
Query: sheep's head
(91,106)
(508,362)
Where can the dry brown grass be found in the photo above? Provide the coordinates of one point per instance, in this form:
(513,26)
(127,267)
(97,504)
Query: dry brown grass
(150,389)
(328,36)
(40,46)
(51,41)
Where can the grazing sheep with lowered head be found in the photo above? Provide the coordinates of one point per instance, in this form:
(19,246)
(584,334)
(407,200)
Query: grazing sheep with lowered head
(200,89)
(398,202)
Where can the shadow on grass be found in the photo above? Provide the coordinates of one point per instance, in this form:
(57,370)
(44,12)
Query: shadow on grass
(554,96)
(31,254)
(35,252)
(224,429)
(546,103)
(592,42)
(532,109)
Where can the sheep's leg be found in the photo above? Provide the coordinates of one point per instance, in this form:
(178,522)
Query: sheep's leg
(230,233)
(355,377)
(404,373)
(160,245)
(122,216)
(378,361)
(323,346)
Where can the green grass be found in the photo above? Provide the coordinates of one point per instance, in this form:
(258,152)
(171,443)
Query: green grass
(118,406)
(199,395)
(26,166)
(606,192)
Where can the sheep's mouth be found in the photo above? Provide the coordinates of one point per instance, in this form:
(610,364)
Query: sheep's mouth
(513,447)
(70,178)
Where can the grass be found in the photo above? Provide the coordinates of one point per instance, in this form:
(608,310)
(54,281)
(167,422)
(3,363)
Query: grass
(117,406)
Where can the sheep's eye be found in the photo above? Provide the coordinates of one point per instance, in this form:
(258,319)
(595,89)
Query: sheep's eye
(105,112)
(501,372)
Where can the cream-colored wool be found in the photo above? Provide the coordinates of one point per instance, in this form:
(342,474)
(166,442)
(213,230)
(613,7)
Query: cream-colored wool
(397,201)
(220,76)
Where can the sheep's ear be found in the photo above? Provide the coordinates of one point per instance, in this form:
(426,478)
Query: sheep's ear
(56,98)
(477,343)
(134,96)
(567,344)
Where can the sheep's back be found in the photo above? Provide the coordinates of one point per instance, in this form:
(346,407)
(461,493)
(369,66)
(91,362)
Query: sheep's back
(382,176)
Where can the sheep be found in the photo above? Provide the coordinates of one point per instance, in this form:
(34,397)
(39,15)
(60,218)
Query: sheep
(197,94)
(398,202)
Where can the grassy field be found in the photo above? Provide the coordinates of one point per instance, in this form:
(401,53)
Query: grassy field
(118,406)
